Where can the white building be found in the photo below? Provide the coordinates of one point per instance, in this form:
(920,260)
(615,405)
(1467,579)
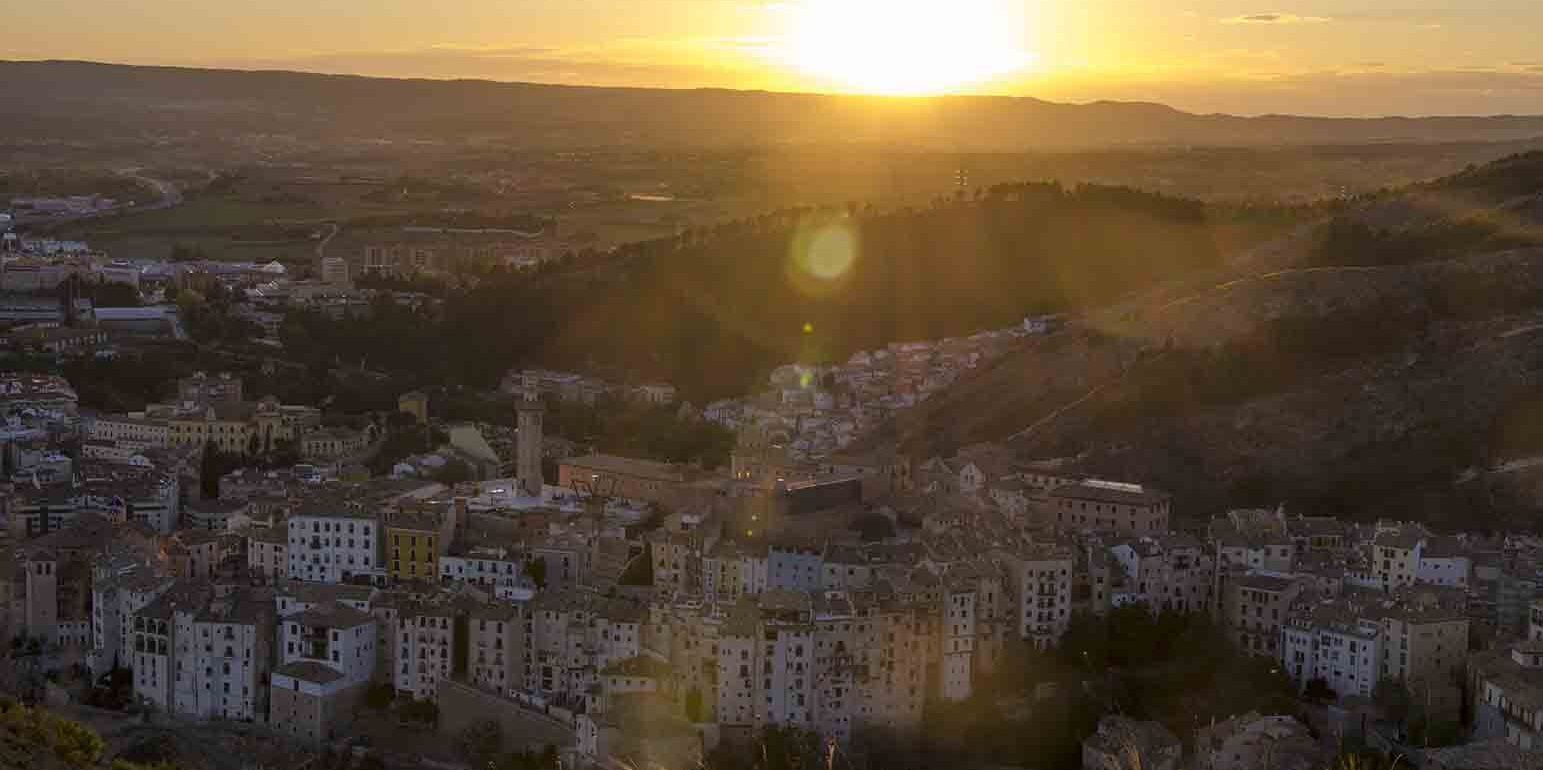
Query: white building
(1043,577)
(331,547)
(223,662)
(1334,645)
(335,635)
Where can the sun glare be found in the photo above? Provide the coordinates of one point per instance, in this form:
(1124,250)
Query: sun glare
(905,47)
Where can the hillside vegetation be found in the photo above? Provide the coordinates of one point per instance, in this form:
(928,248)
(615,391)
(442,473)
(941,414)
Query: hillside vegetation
(1376,374)
(714,310)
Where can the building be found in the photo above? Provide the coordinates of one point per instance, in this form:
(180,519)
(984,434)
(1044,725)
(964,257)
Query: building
(412,547)
(1334,643)
(224,651)
(1255,608)
(335,443)
(426,644)
(1506,689)
(611,476)
(528,474)
(308,701)
(1108,506)
(1396,556)
(334,635)
(490,566)
(495,647)
(267,553)
(1042,579)
(333,544)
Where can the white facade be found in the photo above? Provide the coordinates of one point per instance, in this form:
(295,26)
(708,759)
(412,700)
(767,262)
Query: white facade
(336,636)
(1044,582)
(1451,570)
(333,549)
(1345,655)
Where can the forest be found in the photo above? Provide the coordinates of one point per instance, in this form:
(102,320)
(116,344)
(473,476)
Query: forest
(713,310)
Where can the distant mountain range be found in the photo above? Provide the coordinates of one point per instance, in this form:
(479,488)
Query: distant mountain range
(86,101)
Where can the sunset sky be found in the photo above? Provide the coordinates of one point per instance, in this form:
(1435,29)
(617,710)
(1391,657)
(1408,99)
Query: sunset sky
(1339,57)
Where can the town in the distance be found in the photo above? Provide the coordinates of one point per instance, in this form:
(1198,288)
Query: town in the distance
(405,587)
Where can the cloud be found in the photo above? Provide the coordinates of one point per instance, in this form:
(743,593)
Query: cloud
(1275,18)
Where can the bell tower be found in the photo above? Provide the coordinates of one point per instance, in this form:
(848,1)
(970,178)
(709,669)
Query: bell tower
(527,464)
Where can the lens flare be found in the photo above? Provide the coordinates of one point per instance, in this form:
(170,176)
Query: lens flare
(823,258)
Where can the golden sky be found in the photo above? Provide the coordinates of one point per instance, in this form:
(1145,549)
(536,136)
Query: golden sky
(1332,57)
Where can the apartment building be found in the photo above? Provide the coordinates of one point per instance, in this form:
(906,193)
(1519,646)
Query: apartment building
(1333,642)
(1506,689)
(1107,506)
(1255,608)
(412,547)
(573,634)
(1041,581)
(224,653)
(334,544)
(1395,556)
(1425,646)
(267,553)
(115,598)
(495,647)
(1169,572)
(489,566)
(794,566)
(156,641)
(426,643)
(335,635)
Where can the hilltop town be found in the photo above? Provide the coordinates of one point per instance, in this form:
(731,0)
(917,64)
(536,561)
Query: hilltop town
(629,609)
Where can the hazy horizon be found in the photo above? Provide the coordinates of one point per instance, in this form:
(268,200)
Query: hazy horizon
(1354,58)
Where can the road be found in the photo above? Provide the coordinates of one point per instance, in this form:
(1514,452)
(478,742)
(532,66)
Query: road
(169,193)
(321,248)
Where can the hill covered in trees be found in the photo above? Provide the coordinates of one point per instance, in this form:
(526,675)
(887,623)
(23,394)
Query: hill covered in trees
(1382,362)
(713,310)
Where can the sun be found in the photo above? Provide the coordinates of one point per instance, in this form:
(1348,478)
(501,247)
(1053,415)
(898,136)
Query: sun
(905,47)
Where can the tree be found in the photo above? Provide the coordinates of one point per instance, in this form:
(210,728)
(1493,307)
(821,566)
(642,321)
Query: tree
(421,711)
(1318,690)
(379,696)
(454,472)
(1390,696)
(535,567)
(210,468)
(479,743)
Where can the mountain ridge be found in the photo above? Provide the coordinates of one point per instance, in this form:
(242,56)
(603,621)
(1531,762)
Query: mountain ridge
(339,105)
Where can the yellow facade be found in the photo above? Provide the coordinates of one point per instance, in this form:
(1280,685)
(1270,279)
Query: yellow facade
(412,553)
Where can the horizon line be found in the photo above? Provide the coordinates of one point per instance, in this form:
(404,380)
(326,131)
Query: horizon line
(896,98)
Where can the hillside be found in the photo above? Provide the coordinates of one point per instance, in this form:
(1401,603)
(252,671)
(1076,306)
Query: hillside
(73,101)
(714,310)
(1377,373)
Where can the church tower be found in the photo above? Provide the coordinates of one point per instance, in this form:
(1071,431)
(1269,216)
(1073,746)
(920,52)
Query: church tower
(527,465)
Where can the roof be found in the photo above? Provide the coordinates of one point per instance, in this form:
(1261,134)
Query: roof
(332,615)
(1404,538)
(1271,583)
(308,671)
(1111,492)
(626,466)
(419,522)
